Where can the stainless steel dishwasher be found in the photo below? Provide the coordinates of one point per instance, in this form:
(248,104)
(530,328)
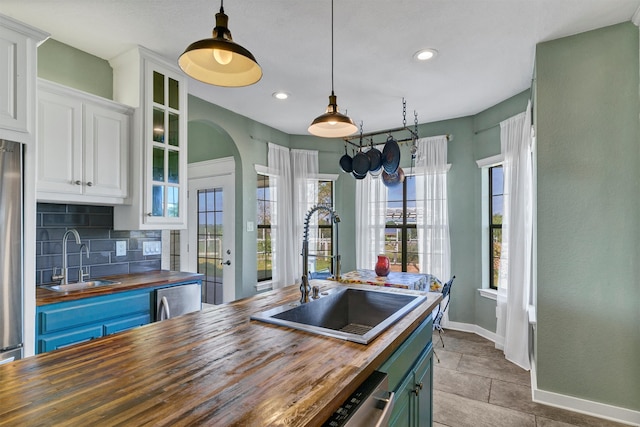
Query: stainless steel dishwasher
(178,300)
(369,406)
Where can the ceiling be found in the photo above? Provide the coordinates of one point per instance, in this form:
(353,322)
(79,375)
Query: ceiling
(486,49)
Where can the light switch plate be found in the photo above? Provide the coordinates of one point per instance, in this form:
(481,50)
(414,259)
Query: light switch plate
(121,248)
(152,248)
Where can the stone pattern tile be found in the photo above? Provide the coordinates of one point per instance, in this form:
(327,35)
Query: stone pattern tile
(474,385)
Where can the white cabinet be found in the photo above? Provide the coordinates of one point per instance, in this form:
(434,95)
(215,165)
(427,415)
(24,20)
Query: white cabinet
(158,90)
(18,63)
(83,143)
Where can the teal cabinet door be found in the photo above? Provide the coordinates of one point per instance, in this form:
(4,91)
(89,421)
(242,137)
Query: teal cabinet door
(410,376)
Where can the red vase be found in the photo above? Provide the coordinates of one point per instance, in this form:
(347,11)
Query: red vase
(382,266)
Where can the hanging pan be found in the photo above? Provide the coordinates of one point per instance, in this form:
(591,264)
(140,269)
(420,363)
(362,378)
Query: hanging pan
(391,155)
(361,163)
(393,179)
(346,162)
(375,158)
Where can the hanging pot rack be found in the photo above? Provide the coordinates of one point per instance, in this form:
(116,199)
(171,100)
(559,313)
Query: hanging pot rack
(358,140)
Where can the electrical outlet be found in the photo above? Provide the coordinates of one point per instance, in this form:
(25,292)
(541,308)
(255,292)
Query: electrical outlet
(151,248)
(121,248)
(249,225)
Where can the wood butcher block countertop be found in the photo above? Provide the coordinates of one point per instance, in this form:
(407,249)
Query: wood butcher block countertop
(128,282)
(212,368)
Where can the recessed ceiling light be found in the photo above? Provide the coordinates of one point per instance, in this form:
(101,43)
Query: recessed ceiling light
(280,95)
(425,54)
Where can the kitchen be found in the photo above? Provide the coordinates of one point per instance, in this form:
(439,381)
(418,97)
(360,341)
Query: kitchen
(560,285)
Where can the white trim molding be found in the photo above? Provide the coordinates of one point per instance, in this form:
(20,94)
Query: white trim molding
(636,17)
(489,293)
(209,168)
(490,161)
(582,406)
(468,327)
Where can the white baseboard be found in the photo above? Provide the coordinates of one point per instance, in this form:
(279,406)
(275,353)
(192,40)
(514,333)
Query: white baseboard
(562,401)
(583,406)
(468,327)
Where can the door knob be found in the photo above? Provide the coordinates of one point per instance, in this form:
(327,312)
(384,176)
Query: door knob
(227,262)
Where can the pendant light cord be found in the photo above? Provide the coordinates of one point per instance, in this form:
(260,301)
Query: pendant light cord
(332,47)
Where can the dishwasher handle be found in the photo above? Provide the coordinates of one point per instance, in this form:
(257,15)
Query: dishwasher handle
(164,309)
(386,412)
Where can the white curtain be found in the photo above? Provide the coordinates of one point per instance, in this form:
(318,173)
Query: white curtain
(304,164)
(371,207)
(432,212)
(282,237)
(514,282)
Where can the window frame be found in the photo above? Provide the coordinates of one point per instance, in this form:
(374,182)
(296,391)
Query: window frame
(493,226)
(484,164)
(259,227)
(325,179)
(404,227)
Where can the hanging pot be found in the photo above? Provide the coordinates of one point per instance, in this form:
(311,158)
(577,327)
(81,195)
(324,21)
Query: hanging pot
(346,162)
(391,155)
(358,176)
(375,158)
(393,179)
(361,164)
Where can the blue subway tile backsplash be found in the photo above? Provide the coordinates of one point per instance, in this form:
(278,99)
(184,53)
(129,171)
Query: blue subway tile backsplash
(95,226)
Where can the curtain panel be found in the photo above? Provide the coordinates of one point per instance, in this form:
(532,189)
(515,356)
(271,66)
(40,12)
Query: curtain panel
(432,213)
(282,243)
(514,282)
(371,207)
(304,164)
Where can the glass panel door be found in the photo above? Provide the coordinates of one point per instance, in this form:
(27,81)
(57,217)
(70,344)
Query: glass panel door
(210,238)
(166,141)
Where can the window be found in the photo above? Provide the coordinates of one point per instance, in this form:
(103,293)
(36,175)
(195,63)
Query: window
(401,235)
(496,207)
(321,231)
(263,219)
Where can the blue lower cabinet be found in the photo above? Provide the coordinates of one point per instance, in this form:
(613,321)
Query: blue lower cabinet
(72,322)
(65,339)
(410,376)
(124,324)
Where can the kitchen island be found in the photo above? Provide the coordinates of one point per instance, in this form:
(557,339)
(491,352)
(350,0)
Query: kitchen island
(214,367)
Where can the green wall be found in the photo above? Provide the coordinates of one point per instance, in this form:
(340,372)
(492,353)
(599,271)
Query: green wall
(588,169)
(69,66)
(250,139)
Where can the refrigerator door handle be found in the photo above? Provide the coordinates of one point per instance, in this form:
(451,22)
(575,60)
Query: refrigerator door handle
(164,309)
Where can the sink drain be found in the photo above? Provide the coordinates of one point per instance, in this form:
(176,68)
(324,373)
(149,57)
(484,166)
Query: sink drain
(356,329)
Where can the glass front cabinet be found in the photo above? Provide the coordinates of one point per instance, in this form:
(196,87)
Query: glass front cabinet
(160,160)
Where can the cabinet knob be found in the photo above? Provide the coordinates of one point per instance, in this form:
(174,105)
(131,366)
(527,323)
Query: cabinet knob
(149,214)
(89,184)
(78,182)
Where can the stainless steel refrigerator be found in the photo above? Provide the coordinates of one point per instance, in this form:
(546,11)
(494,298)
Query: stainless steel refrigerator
(11,250)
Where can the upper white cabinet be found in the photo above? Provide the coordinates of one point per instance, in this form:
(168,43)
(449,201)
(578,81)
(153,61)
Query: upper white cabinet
(158,90)
(18,63)
(83,147)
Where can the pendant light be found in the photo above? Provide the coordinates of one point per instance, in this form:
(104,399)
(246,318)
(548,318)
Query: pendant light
(332,124)
(219,60)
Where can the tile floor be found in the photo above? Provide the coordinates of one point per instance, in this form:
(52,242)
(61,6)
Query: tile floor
(473,385)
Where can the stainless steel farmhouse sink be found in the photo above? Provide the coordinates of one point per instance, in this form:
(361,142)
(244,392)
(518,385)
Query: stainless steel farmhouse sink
(348,313)
(80,285)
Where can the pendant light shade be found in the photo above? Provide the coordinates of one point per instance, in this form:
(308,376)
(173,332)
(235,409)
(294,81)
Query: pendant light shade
(219,60)
(332,124)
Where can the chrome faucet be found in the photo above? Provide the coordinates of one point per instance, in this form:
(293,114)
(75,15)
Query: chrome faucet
(305,289)
(64,274)
(81,273)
